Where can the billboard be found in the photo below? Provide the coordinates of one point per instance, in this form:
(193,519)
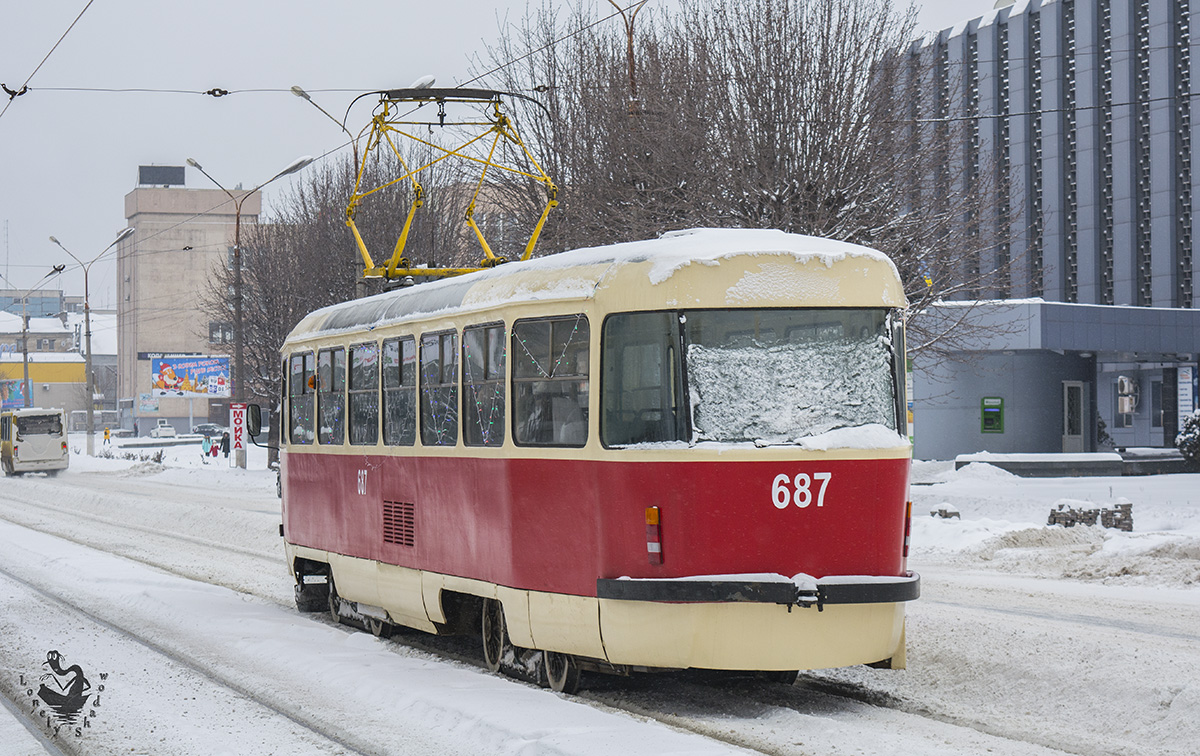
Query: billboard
(188,376)
(12,393)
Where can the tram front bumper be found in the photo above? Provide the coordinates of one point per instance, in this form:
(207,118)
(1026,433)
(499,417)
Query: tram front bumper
(754,622)
(840,589)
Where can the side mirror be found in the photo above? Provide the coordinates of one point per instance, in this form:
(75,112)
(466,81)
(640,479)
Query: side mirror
(253,420)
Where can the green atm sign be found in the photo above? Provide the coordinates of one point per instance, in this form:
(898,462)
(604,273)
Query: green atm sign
(991,414)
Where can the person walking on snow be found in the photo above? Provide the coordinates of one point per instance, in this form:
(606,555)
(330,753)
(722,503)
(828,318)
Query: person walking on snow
(225,444)
(205,449)
(107,442)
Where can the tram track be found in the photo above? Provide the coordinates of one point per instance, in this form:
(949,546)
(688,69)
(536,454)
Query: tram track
(268,704)
(23,718)
(65,526)
(80,514)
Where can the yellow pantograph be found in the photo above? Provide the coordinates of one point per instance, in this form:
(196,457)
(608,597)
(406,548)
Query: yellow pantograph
(388,122)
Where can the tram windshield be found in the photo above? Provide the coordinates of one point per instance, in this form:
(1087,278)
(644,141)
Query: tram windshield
(763,376)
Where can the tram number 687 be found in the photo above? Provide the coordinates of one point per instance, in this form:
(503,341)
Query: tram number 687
(799,490)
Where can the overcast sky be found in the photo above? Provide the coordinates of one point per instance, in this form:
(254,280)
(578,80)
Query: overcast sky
(68,158)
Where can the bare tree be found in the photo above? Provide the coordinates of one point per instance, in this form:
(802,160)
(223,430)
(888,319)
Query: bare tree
(802,115)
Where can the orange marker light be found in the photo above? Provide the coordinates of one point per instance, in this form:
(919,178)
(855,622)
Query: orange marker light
(653,536)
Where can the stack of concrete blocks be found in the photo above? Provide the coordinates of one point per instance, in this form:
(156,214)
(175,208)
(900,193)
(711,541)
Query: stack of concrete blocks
(1119,517)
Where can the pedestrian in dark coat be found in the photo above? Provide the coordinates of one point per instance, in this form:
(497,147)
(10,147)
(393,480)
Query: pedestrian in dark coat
(225,444)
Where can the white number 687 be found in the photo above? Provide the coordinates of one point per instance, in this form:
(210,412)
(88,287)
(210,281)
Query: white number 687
(787,490)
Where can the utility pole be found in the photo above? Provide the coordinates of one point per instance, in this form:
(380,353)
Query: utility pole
(25,348)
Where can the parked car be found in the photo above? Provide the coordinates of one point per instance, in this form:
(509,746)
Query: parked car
(209,429)
(164,429)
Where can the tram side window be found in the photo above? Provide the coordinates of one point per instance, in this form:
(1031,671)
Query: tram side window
(302,388)
(483,385)
(364,394)
(331,395)
(439,389)
(550,381)
(400,392)
(641,394)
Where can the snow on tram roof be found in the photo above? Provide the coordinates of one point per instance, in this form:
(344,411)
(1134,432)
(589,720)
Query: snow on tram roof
(548,278)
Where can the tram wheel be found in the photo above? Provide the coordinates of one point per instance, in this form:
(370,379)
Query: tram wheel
(494,634)
(380,628)
(335,602)
(312,597)
(562,673)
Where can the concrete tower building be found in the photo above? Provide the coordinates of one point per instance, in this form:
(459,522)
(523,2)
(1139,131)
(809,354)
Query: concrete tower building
(164,271)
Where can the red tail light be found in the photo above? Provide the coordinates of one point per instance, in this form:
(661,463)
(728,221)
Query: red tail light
(653,536)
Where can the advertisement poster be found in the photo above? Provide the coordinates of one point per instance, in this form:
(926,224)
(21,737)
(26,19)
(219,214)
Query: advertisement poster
(197,377)
(147,403)
(13,394)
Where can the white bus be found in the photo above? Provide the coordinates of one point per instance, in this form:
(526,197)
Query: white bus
(33,440)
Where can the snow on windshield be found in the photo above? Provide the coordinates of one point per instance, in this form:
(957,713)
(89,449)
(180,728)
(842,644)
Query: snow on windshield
(783,392)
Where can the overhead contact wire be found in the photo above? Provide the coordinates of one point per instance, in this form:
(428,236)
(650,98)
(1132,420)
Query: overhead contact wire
(25,87)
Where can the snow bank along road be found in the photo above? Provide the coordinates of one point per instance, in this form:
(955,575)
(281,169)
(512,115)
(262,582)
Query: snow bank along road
(167,587)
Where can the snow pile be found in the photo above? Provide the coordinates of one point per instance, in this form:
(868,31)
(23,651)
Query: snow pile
(870,436)
(707,246)
(1003,525)
(777,281)
(139,469)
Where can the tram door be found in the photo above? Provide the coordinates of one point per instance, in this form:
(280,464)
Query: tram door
(1074,404)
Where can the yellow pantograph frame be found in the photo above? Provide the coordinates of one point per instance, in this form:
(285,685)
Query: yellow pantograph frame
(384,125)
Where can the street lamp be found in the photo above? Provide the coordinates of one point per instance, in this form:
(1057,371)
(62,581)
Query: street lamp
(239,392)
(299,92)
(87,326)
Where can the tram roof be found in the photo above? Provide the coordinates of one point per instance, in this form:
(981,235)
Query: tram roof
(580,274)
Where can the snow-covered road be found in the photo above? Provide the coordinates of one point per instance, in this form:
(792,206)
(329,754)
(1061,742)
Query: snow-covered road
(169,582)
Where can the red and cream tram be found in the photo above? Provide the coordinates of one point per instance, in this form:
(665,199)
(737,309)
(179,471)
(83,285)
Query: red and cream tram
(683,452)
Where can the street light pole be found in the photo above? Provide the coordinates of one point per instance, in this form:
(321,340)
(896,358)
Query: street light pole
(239,365)
(303,95)
(87,327)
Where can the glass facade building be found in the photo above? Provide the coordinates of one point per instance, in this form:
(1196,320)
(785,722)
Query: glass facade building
(1082,111)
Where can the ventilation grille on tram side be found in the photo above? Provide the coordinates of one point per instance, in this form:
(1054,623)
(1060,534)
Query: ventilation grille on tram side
(399,523)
